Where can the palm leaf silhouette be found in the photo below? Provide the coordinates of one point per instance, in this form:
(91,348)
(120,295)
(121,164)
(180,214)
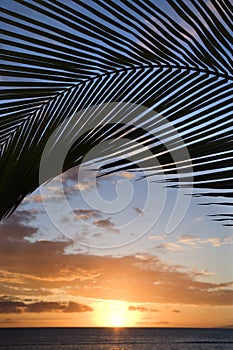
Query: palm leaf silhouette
(61,57)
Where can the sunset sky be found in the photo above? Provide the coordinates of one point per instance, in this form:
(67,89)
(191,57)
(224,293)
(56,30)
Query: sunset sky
(118,250)
(96,267)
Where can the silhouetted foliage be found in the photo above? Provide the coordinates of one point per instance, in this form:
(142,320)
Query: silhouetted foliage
(59,57)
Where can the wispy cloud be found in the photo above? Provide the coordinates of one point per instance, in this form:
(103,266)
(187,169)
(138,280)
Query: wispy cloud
(169,246)
(141,309)
(156,237)
(127,175)
(86,214)
(51,195)
(188,240)
(194,241)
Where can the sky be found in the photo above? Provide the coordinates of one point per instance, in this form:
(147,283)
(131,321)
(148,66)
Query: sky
(117,250)
(113,266)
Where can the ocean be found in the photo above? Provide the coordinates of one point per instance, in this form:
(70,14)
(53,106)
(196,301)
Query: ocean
(115,339)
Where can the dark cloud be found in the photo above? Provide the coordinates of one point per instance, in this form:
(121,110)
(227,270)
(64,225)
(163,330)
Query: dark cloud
(16,307)
(22,216)
(16,227)
(141,309)
(11,307)
(44,306)
(176,311)
(138,210)
(75,307)
(106,224)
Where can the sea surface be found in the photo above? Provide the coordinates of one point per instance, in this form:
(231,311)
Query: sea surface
(115,339)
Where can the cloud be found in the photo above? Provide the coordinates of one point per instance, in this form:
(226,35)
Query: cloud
(37,198)
(218,242)
(85,214)
(138,210)
(193,241)
(79,178)
(16,307)
(71,174)
(156,237)
(34,267)
(82,186)
(169,246)
(22,216)
(11,307)
(127,175)
(199,219)
(141,309)
(188,240)
(16,227)
(48,196)
(64,185)
(176,311)
(106,224)
(75,307)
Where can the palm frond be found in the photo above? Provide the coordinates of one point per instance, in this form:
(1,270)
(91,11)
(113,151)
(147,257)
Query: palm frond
(59,58)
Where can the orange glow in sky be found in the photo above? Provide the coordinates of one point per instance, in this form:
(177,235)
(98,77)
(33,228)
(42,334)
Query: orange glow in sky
(114,314)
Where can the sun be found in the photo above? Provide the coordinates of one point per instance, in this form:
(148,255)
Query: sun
(114,314)
(117,321)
